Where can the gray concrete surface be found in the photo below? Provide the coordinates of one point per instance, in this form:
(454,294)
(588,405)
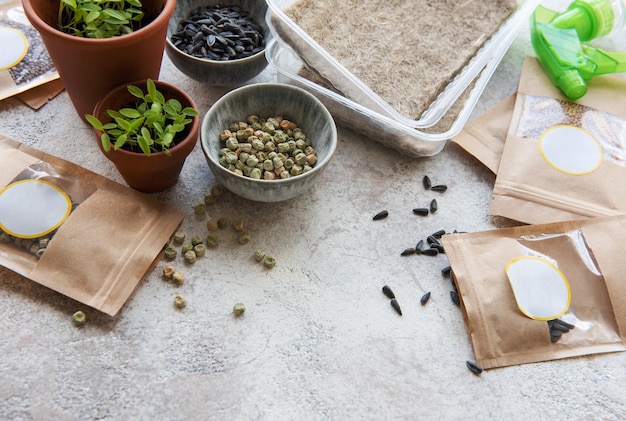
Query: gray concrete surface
(319,340)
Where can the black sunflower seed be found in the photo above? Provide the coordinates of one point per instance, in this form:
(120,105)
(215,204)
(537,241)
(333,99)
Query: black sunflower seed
(446,270)
(454,296)
(388,292)
(396,306)
(381,215)
(420,211)
(426,182)
(438,234)
(433,206)
(419,247)
(474,367)
(425,298)
(408,252)
(439,188)
(430,251)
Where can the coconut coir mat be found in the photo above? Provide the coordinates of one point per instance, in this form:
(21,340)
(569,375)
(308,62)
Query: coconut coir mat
(404,51)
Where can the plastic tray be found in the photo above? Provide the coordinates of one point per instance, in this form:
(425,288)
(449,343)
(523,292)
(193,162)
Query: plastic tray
(373,124)
(290,34)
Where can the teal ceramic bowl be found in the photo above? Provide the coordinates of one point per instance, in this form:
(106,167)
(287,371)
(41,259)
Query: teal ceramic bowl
(269,100)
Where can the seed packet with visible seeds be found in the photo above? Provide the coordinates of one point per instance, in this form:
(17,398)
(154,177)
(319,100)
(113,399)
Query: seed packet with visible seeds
(542,292)
(24,60)
(563,160)
(75,231)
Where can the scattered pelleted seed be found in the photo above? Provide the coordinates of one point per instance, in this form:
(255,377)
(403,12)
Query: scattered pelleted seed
(79,318)
(180,301)
(239,309)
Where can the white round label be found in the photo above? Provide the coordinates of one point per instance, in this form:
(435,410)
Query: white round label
(540,288)
(14,47)
(32,208)
(570,149)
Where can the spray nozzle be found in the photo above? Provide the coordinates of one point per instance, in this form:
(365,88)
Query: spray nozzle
(559,40)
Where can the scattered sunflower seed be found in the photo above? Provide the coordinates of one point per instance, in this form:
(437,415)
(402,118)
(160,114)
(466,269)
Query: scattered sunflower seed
(396,306)
(446,270)
(388,292)
(419,247)
(474,367)
(439,188)
(430,251)
(381,215)
(426,182)
(425,298)
(408,252)
(433,206)
(454,296)
(438,234)
(420,211)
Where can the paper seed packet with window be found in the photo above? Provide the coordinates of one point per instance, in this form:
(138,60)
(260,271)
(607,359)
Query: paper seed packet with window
(542,292)
(75,231)
(563,160)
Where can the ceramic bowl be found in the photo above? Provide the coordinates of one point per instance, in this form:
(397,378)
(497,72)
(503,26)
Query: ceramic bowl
(216,72)
(269,100)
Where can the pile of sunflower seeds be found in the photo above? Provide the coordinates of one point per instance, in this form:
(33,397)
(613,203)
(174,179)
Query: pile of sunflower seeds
(219,33)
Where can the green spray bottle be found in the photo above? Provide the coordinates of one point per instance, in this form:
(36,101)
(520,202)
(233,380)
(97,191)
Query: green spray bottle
(560,43)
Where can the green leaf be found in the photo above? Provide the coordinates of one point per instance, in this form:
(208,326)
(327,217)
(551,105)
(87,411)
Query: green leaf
(135,91)
(97,124)
(143,144)
(124,124)
(110,126)
(151,88)
(136,124)
(130,113)
(190,111)
(145,133)
(70,3)
(120,141)
(106,142)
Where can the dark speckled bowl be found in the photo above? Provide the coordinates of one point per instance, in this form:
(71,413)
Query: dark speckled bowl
(214,72)
(269,100)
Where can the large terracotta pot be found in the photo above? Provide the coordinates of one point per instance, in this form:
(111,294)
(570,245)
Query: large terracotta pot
(89,68)
(157,172)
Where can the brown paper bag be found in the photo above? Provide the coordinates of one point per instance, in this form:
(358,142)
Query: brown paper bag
(588,253)
(562,160)
(99,253)
(484,137)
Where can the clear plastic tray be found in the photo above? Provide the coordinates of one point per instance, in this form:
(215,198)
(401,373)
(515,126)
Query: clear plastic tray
(290,34)
(374,124)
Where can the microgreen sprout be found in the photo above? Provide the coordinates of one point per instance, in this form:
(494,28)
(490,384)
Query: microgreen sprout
(150,126)
(99,18)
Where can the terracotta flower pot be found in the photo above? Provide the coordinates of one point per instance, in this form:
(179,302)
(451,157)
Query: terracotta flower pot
(89,68)
(157,172)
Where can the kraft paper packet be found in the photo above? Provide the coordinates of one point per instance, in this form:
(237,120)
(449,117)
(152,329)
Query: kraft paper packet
(563,160)
(111,238)
(26,65)
(589,254)
(484,137)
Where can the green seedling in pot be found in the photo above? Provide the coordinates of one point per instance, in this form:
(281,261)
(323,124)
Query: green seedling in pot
(99,18)
(150,126)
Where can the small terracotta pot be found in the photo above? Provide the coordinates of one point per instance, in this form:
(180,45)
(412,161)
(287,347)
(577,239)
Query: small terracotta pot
(157,172)
(89,68)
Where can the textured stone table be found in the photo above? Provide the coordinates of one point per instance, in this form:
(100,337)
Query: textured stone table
(319,339)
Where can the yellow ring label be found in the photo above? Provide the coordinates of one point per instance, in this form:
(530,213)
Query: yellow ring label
(570,150)
(14,47)
(33,208)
